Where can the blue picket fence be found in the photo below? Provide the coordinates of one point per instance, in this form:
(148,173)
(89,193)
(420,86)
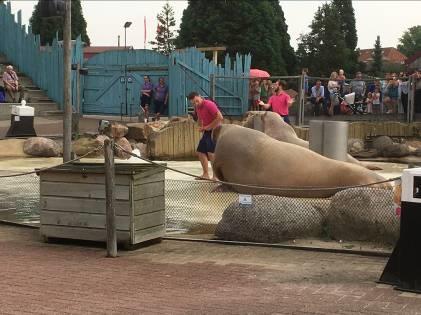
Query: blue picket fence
(44,65)
(190,70)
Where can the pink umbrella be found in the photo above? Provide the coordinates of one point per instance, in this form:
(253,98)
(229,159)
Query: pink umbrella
(257,73)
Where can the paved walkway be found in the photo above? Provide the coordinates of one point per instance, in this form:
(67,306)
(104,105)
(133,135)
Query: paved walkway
(188,278)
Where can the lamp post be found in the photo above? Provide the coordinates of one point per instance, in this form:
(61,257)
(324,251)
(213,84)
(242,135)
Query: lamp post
(126,25)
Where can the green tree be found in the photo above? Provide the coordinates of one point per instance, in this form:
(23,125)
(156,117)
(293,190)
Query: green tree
(410,42)
(47,26)
(323,50)
(247,26)
(377,66)
(164,39)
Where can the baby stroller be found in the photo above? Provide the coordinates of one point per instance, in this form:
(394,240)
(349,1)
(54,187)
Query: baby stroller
(349,106)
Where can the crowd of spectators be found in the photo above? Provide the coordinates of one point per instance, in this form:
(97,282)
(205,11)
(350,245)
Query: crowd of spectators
(375,96)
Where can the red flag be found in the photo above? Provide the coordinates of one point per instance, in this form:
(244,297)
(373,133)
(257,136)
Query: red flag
(144,24)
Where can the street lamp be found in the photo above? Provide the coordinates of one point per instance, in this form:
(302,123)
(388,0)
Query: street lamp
(126,25)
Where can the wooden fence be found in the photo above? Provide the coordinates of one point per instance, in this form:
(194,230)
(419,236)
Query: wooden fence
(44,65)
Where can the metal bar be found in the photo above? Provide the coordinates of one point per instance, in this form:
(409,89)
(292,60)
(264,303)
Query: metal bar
(110,198)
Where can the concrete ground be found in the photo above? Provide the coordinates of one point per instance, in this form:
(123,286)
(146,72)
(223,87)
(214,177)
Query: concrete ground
(189,278)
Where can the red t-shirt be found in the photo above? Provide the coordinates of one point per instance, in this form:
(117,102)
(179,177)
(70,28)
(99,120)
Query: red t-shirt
(207,112)
(279,103)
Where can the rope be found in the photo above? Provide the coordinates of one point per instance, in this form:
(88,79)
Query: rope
(306,188)
(51,167)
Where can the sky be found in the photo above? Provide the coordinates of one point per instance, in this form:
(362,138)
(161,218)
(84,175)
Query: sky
(105,19)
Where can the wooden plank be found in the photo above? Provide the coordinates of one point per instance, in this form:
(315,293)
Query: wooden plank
(82,205)
(82,220)
(51,176)
(149,234)
(81,233)
(81,190)
(149,190)
(149,205)
(147,220)
(157,177)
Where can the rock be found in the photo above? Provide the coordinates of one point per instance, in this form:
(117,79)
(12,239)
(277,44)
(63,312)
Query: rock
(117,130)
(381,142)
(355,146)
(12,148)
(39,146)
(396,150)
(363,214)
(136,131)
(143,149)
(84,145)
(269,219)
(101,138)
(125,144)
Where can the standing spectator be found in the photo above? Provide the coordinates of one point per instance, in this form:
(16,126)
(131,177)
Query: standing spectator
(280,102)
(264,90)
(146,96)
(341,81)
(369,102)
(404,93)
(393,94)
(358,86)
(209,118)
(376,100)
(317,97)
(333,88)
(256,94)
(160,97)
(11,84)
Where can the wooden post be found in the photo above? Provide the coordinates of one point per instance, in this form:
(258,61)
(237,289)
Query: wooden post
(67,88)
(215,57)
(411,98)
(299,119)
(110,198)
(77,114)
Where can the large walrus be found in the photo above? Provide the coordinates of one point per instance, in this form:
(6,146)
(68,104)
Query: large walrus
(247,156)
(274,126)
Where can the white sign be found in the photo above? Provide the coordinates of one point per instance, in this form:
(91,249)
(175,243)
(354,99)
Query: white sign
(245,199)
(17,118)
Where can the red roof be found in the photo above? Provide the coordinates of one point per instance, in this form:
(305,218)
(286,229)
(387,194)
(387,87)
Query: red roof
(390,54)
(413,57)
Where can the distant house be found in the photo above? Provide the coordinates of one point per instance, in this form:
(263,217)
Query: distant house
(90,51)
(390,56)
(414,62)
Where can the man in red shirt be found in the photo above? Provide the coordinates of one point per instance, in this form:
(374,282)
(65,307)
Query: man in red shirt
(280,102)
(209,118)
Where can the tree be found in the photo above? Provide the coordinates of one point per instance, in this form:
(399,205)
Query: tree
(164,39)
(323,50)
(247,26)
(410,42)
(349,32)
(47,24)
(377,65)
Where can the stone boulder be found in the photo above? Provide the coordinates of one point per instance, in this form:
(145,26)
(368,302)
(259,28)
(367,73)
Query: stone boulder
(269,219)
(396,150)
(125,144)
(380,143)
(84,145)
(39,146)
(117,130)
(363,214)
(355,146)
(136,131)
(143,149)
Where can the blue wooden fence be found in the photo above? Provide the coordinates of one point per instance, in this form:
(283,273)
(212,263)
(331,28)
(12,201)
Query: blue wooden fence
(190,71)
(44,65)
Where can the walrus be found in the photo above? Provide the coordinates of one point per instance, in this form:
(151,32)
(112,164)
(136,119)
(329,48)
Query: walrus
(250,157)
(274,126)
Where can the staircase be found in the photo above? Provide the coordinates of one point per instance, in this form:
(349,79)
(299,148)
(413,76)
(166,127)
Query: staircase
(34,96)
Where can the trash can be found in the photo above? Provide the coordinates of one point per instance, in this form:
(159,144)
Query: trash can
(21,121)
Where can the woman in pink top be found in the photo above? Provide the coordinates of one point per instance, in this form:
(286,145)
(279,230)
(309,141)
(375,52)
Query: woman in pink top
(280,102)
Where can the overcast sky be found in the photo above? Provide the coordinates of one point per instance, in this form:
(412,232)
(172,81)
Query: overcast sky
(105,19)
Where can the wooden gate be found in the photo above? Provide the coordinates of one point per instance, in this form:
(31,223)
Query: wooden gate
(113,83)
